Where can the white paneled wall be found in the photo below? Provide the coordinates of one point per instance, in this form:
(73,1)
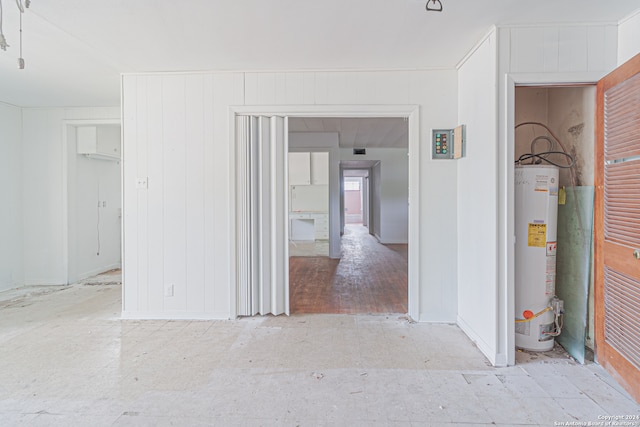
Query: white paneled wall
(11,265)
(560,49)
(629,37)
(176,133)
(477,199)
(177,231)
(43,205)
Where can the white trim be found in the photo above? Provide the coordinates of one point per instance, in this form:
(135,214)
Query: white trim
(95,272)
(629,16)
(160,315)
(492,31)
(284,71)
(506,138)
(411,112)
(559,24)
(557,79)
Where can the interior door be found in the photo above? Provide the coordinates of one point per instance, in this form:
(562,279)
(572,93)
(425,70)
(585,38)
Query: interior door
(617,225)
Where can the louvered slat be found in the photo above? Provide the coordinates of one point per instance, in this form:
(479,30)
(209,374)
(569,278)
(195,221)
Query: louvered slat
(622,120)
(622,202)
(622,330)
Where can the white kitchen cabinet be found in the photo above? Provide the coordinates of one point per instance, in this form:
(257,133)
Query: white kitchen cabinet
(299,168)
(309,168)
(320,168)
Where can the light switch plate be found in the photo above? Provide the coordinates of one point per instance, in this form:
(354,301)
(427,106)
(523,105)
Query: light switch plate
(142,183)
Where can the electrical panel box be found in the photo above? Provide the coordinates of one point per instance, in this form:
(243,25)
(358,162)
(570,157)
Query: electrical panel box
(448,143)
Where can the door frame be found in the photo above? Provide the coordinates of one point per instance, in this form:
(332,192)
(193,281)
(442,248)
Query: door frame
(365,191)
(68,126)
(410,112)
(506,231)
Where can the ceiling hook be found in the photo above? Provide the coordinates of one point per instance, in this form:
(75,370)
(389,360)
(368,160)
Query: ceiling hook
(436,7)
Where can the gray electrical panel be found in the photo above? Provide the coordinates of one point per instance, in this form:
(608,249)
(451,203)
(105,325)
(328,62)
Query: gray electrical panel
(448,143)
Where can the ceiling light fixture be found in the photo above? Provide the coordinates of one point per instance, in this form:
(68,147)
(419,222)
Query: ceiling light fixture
(434,6)
(3,41)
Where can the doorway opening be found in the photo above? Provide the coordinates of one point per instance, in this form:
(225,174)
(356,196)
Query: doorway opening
(354,198)
(554,132)
(370,273)
(92,199)
(263,274)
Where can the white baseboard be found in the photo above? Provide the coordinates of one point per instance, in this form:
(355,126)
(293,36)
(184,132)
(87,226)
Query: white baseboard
(158,315)
(95,272)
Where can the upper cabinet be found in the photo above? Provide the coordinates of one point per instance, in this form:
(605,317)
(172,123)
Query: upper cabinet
(309,168)
(299,168)
(320,168)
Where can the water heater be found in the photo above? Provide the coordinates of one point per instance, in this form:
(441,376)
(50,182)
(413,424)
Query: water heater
(536,212)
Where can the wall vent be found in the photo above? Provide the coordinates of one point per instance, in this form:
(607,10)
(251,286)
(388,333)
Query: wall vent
(359,151)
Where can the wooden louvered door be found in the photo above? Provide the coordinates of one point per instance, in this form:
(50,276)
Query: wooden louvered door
(617,225)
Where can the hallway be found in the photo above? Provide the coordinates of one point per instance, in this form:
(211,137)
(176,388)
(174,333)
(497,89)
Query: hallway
(370,278)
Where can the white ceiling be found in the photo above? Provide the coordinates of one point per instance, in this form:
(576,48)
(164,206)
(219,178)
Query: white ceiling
(75,49)
(370,132)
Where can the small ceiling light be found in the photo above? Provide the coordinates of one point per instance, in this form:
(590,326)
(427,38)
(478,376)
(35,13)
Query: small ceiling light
(434,6)
(20,59)
(3,41)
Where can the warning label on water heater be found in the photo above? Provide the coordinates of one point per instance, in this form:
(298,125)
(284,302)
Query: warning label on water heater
(537,235)
(550,276)
(542,183)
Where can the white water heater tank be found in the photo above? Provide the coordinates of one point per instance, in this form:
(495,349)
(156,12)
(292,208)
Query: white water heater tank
(536,213)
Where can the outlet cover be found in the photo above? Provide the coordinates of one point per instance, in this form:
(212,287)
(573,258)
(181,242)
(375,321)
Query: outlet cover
(142,183)
(168,290)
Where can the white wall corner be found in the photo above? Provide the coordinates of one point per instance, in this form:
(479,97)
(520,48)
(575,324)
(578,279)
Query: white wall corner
(629,37)
(483,346)
(492,31)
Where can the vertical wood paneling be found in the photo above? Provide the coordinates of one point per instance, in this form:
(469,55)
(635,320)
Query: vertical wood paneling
(266,89)
(130,208)
(300,88)
(338,89)
(610,54)
(320,88)
(569,48)
(281,89)
(140,158)
(392,87)
(194,144)
(551,49)
(596,51)
(174,206)
(309,88)
(364,86)
(573,49)
(155,194)
(294,88)
(251,88)
(228,90)
(210,201)
(527,49)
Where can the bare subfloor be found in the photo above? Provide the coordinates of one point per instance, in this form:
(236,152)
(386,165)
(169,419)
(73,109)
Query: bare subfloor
(67,359)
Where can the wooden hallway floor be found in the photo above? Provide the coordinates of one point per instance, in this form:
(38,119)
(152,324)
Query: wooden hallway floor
(370,278)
